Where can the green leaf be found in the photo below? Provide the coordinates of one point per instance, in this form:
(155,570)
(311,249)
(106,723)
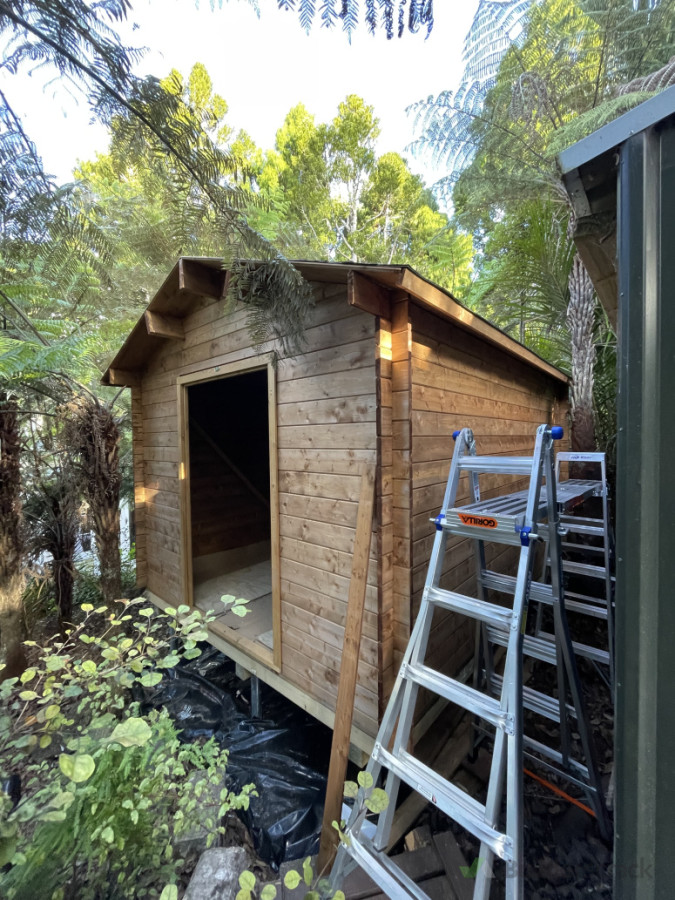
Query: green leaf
(28,695)
(53,815)
(365,779)
(350,789)
(292,879)
(45,741)
(339,895)
(243,894)
(146,612)
(133,732)
(150,679)
(86,607)
(27,675)
(378,801)
(246,879)
(169,661)
(62,800)
(77,768)
(240,611)
(54,663)
(170,892)
(269,892)
(7,849)
(52,711)
(108,835)
(307,871)
(89,666)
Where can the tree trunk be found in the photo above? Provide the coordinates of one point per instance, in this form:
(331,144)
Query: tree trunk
(12,582)
(581,319)
(107,533)
(95,437)
(65,521)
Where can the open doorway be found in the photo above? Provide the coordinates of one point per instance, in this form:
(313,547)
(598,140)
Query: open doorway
(230,516)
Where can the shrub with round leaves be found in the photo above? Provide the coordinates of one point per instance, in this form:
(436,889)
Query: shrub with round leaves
(106,791)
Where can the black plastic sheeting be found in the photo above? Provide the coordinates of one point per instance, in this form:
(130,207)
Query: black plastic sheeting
(285,754)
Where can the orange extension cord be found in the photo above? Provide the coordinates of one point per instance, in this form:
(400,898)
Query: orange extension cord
(556,790)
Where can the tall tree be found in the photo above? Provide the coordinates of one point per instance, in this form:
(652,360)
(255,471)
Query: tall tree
(11,540)
(339,200)
(538,103)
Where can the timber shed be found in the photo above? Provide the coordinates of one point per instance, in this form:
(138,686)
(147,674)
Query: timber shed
(248,469)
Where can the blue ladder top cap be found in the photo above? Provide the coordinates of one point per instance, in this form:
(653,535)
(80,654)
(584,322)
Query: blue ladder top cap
(456,434)
(557,432)
(525,535)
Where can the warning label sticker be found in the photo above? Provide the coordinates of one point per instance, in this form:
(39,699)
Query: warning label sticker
(477,521)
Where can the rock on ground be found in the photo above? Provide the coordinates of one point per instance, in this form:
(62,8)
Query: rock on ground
(216,876)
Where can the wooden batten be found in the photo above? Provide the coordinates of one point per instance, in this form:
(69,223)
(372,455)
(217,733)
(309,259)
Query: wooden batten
(161,326)
(366,294)
(123,378)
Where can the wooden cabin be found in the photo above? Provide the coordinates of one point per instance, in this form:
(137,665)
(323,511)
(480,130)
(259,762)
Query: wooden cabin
(247,468)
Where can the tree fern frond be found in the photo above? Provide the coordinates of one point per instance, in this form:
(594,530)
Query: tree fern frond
(592,119)
(306,12)
(329,15)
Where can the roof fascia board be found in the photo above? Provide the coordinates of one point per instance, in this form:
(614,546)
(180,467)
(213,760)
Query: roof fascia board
(435,299)
(617,132)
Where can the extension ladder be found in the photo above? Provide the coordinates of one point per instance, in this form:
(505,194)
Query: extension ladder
(515,520)
(597,533)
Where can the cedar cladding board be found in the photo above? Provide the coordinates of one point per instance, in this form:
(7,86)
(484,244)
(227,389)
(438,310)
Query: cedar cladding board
(391,366)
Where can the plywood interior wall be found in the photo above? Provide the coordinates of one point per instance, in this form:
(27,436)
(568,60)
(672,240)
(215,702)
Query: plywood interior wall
(229,462)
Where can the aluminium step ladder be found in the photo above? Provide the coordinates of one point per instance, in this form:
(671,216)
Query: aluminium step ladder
(501,706)
(590,538)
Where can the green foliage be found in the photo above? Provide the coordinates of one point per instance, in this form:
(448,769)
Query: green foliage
(107,791)
(367,798)
(333,198)
(523,283)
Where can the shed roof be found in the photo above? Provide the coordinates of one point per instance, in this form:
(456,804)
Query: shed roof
(195,277)
(589,169)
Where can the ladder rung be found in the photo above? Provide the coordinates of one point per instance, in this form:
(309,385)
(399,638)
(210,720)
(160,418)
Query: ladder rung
(569,545)
(576,568)
(504,465)
(469,606)
(385,873)
(593,653)
(542,593)
(557,757)
(537,702)
(586,599)
(583,520)
(571,525)
(585,609)
(495,581)
(476,702)
(450,799)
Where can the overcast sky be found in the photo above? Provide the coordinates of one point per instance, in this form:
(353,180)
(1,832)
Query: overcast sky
(262,67)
